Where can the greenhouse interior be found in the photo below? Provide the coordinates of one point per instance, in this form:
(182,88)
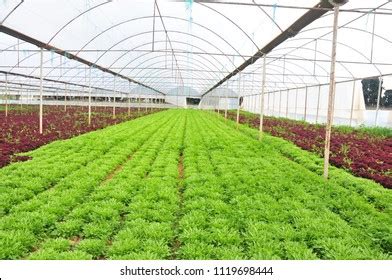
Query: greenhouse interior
(195,130)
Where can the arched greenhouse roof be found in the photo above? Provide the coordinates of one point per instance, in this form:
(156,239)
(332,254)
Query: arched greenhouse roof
(194,45)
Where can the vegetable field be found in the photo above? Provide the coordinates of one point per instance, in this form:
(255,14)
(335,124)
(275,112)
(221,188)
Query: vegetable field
(184,184)
(365,152)
(19,131)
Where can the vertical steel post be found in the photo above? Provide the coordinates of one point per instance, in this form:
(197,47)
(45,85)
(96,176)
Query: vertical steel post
(139,105)
(114,97)
(315,58)
(352,104)
(254,103)
(145,99)
(218,104)
(89,96)
(287,103)
(155,100)
(318,104)
(65,97)
(85,87)
(20,96)
(262,97)
(61,67)
(273,103)
(306,103)
(239,100)
(373,34)
(227,99)
(378,100)
(6,94)
(296,103)
(331,97)
(129,98)
(280,102)
(269,102)
(41,107)
(177,92)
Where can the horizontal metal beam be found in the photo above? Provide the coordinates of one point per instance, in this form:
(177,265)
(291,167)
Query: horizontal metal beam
(40,44)
(296,7)
(51,80)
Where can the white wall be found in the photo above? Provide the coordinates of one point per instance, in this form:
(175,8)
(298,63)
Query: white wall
(314,102)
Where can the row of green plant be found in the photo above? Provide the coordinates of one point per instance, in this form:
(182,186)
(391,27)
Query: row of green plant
(22,181)
(188,184)
(274,207)
(91,229)
(149,226)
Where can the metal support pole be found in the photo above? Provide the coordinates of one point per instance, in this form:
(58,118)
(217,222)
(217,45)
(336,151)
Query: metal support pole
(218,104)
(315,58)
(239,100)
(287,103)
(306,103)
(89,96)
(352,104)
(156,100)
(65,97)
(85,86)
(378,100)
(262,97)
(280,102)
(373,34)
(273,104)
(331,97)
(177,97)
(114,97)
(129,99)
(284,69)
(268,104)
(20,96)
(6,94)
(318,104)
(254,103)
(138,108)
(296,103)
(146,108)
(41,107)
(227,99)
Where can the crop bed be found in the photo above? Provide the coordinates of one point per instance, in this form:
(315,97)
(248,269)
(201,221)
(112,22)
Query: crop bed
(184,184)
(19,132)
(361,152)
